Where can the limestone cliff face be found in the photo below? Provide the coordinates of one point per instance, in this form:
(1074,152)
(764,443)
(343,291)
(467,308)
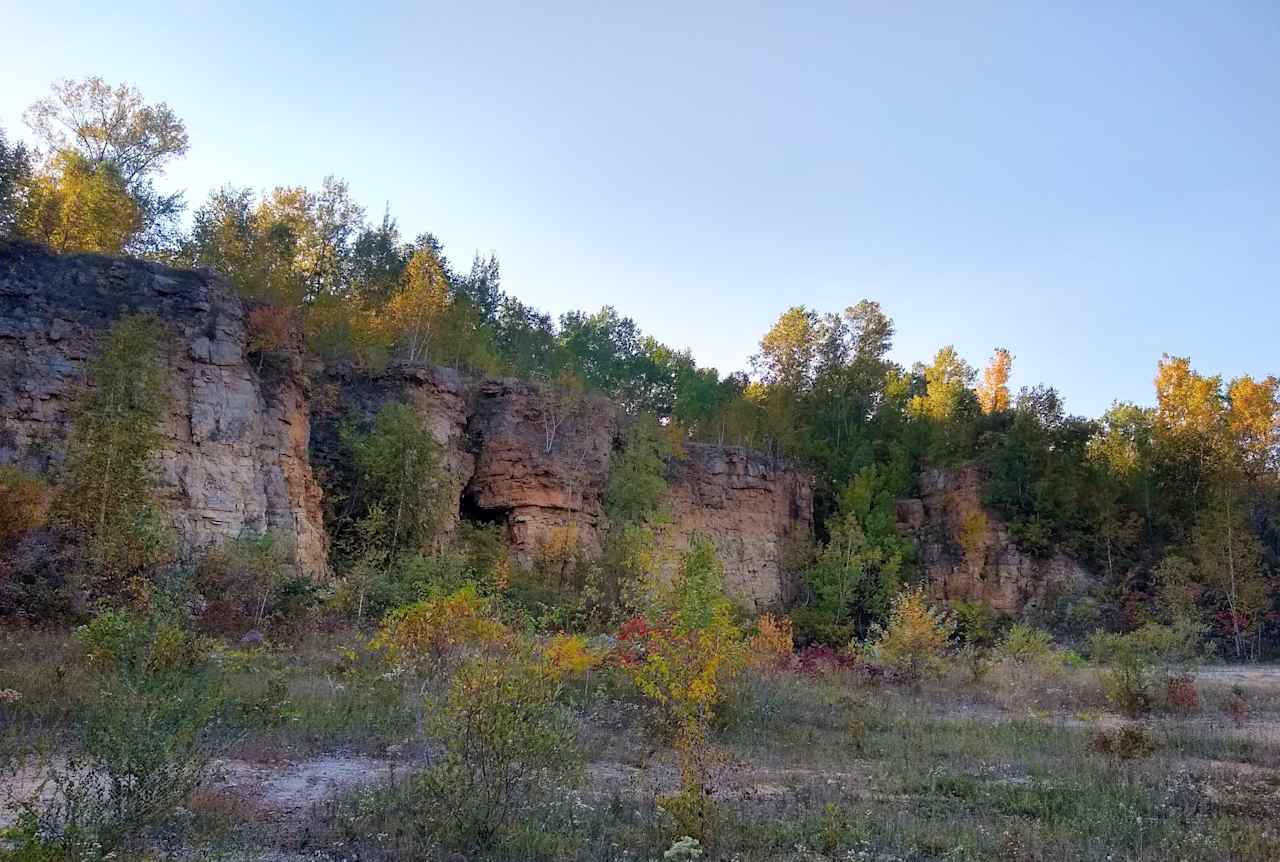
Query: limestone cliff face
(752,506)
(251,442)
(237,439)
(967,552)
(516,457)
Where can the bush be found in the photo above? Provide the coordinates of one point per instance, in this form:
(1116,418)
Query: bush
(1032,647)
(243,583)
(567,656)
(1127,743)
(427,631)
(120,641)
(977,623)
(145,749)
(508,750)
(1179,644)
(1126,684)
(685,661)
(1181,695)
(1237,707)
(914,641)
(24,503)
(772,645)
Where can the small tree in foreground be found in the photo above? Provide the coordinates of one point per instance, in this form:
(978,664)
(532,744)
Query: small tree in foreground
(115,431)
(914,641)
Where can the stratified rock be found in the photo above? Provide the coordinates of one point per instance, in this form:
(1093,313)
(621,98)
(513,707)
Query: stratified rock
(995,570)
(248,446)
(235,456)
(752,507)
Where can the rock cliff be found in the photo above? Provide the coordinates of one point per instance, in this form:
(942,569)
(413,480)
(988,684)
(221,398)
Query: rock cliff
(515,457)
(966,550)
(252,445)
(237,438)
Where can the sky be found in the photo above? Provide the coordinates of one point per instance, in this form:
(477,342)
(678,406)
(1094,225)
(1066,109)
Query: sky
(1089,185)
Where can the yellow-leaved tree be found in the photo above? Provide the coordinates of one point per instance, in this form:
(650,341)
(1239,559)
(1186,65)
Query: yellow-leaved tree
(914,640)
(77,205)
(993,392)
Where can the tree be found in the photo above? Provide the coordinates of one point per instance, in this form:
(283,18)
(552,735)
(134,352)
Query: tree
(789,349)
(862,565)
(112,125)
(482,287)
(115,127)
(378,260)
(993,393)
(77,205)
(1253,419)
(415,313)
(398,491)
(914,639)
(947,382)
(115,430)
(15,175)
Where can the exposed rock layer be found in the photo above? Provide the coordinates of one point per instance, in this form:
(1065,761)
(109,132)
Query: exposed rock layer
(236,456)
(516,457)
(967,552)
(249,446)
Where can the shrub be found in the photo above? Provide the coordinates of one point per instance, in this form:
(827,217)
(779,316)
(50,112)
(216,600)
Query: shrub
(508,749)
(914,640)
(568,655)
(1032,647)
(977,623)
(822,659)
(428,630)
(1237,707)
(112,639)
(119,641)
(685,849)
(977,660)
(1127,743)
(772,645)
(24,503)
(242,582)
(685,662)
(1126,684)
(1181,643)
(145,749)
(1181,695)
(1025,644)
(271,331)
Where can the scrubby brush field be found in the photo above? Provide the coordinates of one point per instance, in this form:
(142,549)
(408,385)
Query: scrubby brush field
(491,745)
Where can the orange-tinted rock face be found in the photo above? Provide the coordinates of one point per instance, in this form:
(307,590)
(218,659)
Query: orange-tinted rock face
(752,506)
(237,434)
(966,550)
(518,457)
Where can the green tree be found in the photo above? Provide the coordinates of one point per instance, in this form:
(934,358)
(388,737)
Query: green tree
(862,565)
(396,505)
(15,175)
(789,350)
(116,428)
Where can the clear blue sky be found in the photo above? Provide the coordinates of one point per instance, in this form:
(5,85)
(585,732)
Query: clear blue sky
(1088,186)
